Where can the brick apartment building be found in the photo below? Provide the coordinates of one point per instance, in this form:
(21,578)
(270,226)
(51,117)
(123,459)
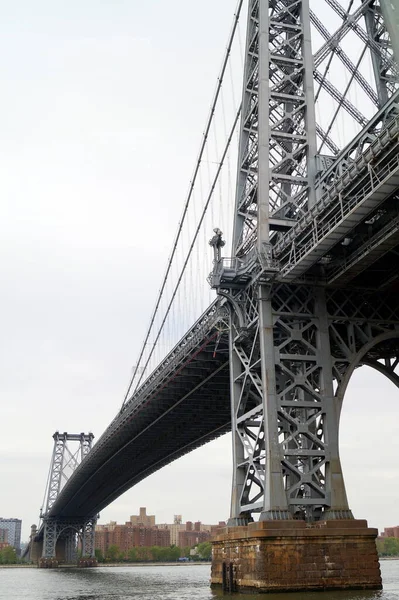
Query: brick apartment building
(390,532)
(142,518)
(141,531)
(130,536)
(193,534)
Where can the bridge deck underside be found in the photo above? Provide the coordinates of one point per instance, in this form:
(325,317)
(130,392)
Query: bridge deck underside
(187,410)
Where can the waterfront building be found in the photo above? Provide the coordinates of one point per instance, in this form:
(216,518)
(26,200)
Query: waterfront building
(192,537)
(142,531)
(13,528)
(143,518)
(390,532)
(130,536)
(174,529)
(3,536)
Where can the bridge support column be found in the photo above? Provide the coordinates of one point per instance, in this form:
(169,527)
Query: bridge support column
(71,547)
(88,558)
(61,542)
(273,556)
(49,556)
(35,546)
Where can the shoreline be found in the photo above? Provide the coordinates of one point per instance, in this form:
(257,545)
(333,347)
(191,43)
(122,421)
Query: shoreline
(141,564)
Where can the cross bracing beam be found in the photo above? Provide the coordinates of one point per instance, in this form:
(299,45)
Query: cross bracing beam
(346,61)
(387,62)
(340,98)
(347,24)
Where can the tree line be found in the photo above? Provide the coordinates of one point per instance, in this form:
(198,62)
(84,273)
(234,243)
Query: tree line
(154,553)
(8,556)
(388,546)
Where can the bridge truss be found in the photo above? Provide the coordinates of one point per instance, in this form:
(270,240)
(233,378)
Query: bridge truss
(293,207)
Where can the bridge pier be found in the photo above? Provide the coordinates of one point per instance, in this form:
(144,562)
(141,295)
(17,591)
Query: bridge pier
(288,556)
(61,541)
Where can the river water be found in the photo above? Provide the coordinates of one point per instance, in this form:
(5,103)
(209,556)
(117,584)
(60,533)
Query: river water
(180,582)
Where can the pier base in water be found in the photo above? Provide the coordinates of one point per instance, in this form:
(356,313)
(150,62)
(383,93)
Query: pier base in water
(283,556)
(87,562)
(48,563)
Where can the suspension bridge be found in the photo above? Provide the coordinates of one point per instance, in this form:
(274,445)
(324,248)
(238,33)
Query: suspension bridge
(282,279)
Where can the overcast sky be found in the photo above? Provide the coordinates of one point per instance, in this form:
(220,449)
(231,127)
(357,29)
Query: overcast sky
(102,109)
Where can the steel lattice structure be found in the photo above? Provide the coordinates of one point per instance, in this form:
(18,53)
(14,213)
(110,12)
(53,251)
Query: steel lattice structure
(292,206)
(69,451)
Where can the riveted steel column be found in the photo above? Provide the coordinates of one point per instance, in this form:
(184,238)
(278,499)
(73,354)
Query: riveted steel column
(50,538)
(335,487)
(275,500)
(236,515)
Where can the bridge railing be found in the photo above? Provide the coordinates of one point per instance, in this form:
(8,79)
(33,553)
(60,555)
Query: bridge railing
(333,196)
(372,181)
(176,356)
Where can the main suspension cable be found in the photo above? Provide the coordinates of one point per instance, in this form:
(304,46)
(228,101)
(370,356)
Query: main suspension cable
(189,196)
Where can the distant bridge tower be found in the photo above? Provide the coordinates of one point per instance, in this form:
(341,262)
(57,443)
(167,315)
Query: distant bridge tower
(62,537)
(297,329)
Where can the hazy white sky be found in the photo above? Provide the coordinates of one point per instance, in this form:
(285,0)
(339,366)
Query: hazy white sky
(102,108)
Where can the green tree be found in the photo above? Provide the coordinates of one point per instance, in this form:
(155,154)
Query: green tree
(391,547)
(144,554)
(132,555)
(99,555)
(113,553)
(175,553)
(8,556)
(204,550)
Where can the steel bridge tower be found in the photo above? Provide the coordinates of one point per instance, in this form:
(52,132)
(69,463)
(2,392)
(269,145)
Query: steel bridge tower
(296,334)
(64,537)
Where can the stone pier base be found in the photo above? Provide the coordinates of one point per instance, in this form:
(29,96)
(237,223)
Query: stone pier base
(283,556)
(48,563)
(87,562)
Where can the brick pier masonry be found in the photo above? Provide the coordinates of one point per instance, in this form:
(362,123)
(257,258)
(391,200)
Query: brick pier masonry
(283,556)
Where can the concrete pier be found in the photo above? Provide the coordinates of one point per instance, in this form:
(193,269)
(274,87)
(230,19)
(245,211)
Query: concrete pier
(283,556)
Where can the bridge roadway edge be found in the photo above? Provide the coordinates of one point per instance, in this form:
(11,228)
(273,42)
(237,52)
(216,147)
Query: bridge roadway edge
(293,556)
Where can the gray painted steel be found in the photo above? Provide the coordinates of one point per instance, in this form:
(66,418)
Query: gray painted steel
(309,294)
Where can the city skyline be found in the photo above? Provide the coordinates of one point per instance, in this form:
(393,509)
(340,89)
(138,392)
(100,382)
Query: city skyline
(82,146)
